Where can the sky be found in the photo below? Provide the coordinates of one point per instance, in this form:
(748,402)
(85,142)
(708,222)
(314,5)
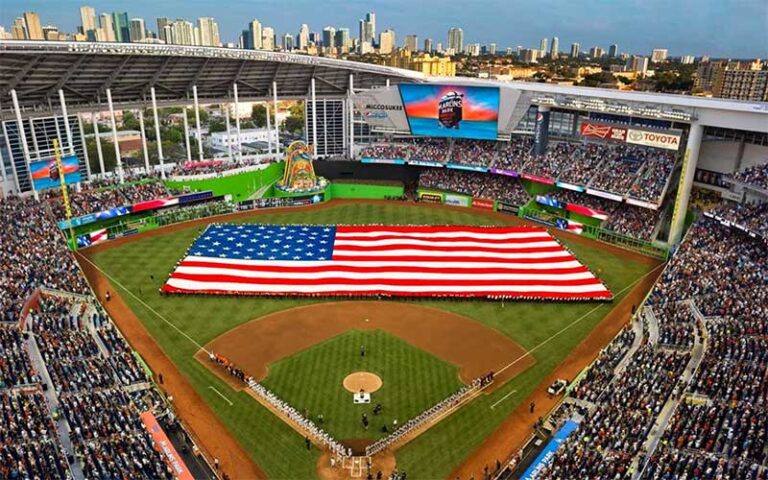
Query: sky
(719,28)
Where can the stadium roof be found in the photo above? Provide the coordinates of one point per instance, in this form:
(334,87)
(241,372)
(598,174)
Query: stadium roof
(84,70)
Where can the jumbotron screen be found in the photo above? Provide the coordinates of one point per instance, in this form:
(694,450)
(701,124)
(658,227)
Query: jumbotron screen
(451,110)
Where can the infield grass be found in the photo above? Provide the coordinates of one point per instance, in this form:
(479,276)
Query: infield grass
(275,446)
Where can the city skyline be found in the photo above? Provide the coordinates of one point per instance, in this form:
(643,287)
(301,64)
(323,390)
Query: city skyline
(684,34)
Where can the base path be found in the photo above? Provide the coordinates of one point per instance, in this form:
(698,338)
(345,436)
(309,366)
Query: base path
(209,433)
(470,345)
(365,381)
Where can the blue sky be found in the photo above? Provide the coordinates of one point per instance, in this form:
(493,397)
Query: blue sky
(720,28)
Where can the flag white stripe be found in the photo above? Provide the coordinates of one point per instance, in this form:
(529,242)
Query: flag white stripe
(411,252)
(445,235)
(556,263)
(448,243)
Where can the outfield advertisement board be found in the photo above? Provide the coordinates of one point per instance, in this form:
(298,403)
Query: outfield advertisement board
(453,111)
(668,141)
(500,171)
(390,161)
(430,197)
(46,174)
(457,200)
(94,217)
(549,201)
(537,179)
(507,208)
(425,163)
(483,203)
(471,168)
(569,186)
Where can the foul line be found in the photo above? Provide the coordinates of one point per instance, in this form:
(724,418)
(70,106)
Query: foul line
(503,398)
(564,329)
(113,280)
(221,395)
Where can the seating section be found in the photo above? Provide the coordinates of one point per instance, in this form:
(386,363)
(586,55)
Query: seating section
(97,200)
(755,176)
(496,187)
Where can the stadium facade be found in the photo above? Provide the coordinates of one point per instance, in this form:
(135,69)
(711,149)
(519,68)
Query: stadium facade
(348,103)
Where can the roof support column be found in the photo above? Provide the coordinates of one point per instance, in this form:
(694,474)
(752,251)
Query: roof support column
(237,126)
(34,138)
(325,127)
(99,151)
(144,141)
(157,133)
(269,130)
(85,145)
(24,145)
(690,161)
(229,131)
(120,176)
(313,97)
(277,129)
(197,124)
(67,127)
(186,134)
(350,92)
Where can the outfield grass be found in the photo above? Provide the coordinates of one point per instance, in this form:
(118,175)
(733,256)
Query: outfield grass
(273,445)
(413,380)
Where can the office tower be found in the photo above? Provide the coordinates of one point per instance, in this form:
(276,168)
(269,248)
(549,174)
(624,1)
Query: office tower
(367,28)
(456,39)
(658,55)
(411,43)
(302,40)
(492,49)
(686,59)
(329,36)
(107,28)
(508,51)
(19,29)
(387,41)
(163,22)
(554,50)
(342,38)
(268,38)
(543,47)
(287,42)
(315,38)
(596,52)
(428,45)
(183,32)
(439,47)
(32,24)
(613,51)
(209,32)
(88,22)
(120,25)
(255,35)
(575,49)
(137,29)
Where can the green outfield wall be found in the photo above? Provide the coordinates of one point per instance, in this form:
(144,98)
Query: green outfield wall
(365,190)
(240,186)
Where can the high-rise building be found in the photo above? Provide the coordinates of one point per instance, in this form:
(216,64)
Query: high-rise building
(287,42)
(428,45)
(543,47)
(439,47)
(686,59)
(32,24)
(88,22)
(492,49)
(19,29)
(575,50)
(554,50)
(367,28)
(370,18)
(107,28)
(120,25)
(473,49)
(637,63)
(411,43)
(613,51)
(596,53)
(268,38)
(315,38)
(209,32)
(387,41)
(329,34)
(658,55)
(343,40)
(456,39)
(739,83)
(183,32)
(255,35)
(163,22)
(529,55)
(302,40)
(137,30)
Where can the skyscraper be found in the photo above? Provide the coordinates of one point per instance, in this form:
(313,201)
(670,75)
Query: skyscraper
(107,28)
(412,43)
(658,55)
(456,39)
(492,49)
(575,50)
(613,51)
(428,45)
(120,25)
(268,38)
(543,47)
(637,64)
(596,52)
(209,32)
(88,22)
(329,34)
(287,42)
(387,41)
(554,51)
(183,32)
(19,29)
(137,30)
(367,27)
(32,24)
(302,40)
(255,35)
(342,38)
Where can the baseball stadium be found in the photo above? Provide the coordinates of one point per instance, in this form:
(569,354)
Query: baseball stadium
(440,278)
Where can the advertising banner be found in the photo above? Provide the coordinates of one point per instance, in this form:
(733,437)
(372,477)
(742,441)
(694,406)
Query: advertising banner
(601,194)
(425,163)
(603,131)
(382,108)
(534,178)
(429,197)
(165,447)
(548,454)
(668,141)
(484,203)
(641,203)
(45,173)
(541,132)
(154,204)
(569,186)
(549,201)
(94,217)
(499,171)
(471,168)
(507,208)
(586,211)
(391,161)
(195,197)
(454,111)
(457,200)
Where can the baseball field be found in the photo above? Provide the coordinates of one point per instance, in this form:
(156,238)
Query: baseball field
(302,349)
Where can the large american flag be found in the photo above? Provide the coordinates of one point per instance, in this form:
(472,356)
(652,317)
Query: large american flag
(459,261)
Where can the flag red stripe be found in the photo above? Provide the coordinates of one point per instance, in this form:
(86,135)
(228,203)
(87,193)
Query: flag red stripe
(441,248)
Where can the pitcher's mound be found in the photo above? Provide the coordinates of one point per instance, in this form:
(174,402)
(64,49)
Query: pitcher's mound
(366,381)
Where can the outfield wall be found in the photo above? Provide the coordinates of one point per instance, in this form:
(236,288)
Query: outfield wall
(240,186)
(365,190)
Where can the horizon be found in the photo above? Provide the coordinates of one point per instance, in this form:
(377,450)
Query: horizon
(741,28)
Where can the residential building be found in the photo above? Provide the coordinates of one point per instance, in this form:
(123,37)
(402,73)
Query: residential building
(137,29)
(209,32)
(575,50)
(387,41)
(411,43)
(121,27)
(302,40)
(554,50)
(686,59)
(658,55)
(32,24)
(543,47)
(428,45)
(163,22)
(287,42)
(268,38)
(637,63)
(738,83)
(88,22)
(456,39)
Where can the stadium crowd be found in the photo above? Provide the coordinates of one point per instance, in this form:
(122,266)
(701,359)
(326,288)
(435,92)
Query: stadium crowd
(476,153)
(756,176)
(497,187)
(104,198)
(218,167)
